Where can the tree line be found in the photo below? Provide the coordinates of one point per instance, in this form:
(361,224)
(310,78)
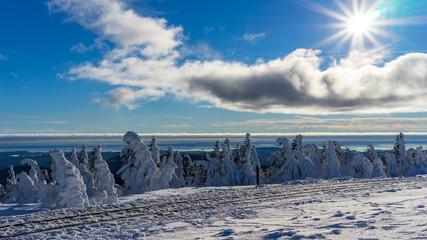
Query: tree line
(86,180)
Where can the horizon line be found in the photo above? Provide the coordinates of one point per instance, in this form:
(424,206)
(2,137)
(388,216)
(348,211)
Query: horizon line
(185,134)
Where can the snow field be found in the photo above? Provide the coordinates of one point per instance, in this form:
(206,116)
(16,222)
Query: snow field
(323,209)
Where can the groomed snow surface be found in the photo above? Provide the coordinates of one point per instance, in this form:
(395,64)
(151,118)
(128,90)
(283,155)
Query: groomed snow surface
(346,208)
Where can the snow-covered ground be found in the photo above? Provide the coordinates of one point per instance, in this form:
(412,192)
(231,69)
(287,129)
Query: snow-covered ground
(390,208)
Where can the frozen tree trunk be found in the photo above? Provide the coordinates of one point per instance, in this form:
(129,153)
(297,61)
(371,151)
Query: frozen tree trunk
(103,179)
(70,184)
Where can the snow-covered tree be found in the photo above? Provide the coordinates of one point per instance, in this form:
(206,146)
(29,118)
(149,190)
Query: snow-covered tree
(84,157)
(27,188)
(420,156)
(229,174)
(155,151)
(179,170)
(332,167)
(391,165)
(289,167)
(196,173)
(11,185)
(139,172)
(277,160)
(360,167)
(248,172)
(73,157)
(167,169)
(70,185)
(45,191)
(103,178)
(213,170)
(312,153)
(378,166)
(403,164)
(306,168)
(297,144)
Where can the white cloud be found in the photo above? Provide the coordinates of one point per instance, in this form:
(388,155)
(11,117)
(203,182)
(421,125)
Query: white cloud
(113,21)
(143,65)
(201,51)
(253,37)
(2,57)
(127,96)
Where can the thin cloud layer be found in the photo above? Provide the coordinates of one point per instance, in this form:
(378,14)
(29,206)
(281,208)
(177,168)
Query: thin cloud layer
(357,124)
(144,66)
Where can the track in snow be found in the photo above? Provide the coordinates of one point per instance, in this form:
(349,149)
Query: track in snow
(146,210)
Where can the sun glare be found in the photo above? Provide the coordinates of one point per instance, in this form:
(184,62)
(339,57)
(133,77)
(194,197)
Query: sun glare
(361,24)
(359,21)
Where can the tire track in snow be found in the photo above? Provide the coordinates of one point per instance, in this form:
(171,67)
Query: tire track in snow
(85,219)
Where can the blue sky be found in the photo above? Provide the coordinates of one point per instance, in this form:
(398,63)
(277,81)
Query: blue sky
(165,66)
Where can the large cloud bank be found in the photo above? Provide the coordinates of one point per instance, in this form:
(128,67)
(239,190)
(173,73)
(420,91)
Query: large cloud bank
(145,64)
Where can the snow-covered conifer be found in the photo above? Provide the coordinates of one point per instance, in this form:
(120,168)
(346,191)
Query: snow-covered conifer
(45,191)
(70,184)
(103,178)
(229,174)
(332,167)
(378,166)
(403,164)
(139,172)
(84,157)
(306,168)
(73,157)
(289,167)
(277,160)
(213,171)
(248,174)
(11,185)
(312,153)
(179,170)
(167,169)
(391,165)
(297,144)
(155,151)
(196,173)
(27,188)
(186,164)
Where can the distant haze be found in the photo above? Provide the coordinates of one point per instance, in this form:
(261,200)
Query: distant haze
(195,142)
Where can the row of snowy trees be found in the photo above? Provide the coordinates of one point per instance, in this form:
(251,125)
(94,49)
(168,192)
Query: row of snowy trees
(78,182)
(298,161)
(144,170)
(82,181)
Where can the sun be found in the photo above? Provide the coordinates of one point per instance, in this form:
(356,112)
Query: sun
(359,21)
(361,24)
